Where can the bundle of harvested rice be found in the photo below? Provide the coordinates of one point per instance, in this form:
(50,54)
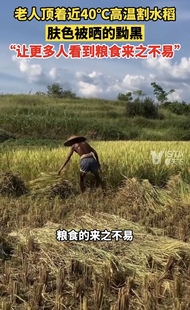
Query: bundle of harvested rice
(52,185)
(133,255)
(44,180)
(63,191)
(12,185)
(136,192)
(155,261)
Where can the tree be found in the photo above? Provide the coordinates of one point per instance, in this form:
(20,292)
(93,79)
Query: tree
(55,90)
(125,97)
(139,93)
(160,94)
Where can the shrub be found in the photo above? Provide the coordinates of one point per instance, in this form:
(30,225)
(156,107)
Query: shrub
(145,108)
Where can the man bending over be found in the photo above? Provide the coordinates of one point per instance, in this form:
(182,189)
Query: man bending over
(89,161)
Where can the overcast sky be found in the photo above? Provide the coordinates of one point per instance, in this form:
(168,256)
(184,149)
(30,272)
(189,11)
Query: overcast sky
(103,78)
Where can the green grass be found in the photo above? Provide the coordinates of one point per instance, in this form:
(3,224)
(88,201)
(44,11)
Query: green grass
(46,118)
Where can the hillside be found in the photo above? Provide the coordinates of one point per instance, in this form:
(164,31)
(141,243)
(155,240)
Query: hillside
(39,117)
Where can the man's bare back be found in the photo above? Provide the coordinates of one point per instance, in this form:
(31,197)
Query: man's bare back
(82,148)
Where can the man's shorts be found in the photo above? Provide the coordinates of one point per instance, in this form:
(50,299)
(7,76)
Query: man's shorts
(89,164)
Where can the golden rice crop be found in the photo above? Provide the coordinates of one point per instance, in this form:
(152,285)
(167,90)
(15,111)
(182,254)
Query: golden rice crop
(117,158)
(45,180)
(151,272)
(52,185)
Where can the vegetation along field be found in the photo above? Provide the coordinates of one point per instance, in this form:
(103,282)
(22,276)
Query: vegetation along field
(144,152)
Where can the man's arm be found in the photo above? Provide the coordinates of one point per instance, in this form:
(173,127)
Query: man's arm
(67,160)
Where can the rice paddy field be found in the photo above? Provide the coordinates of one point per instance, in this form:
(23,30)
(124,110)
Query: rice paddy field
(146,190)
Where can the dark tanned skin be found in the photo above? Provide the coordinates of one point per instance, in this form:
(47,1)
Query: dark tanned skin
(81,149)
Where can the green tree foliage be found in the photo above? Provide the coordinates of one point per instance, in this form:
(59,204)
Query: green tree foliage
(145,108)
(161,95)
(179,108)
(55,90)
(139,93)
(125,97)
